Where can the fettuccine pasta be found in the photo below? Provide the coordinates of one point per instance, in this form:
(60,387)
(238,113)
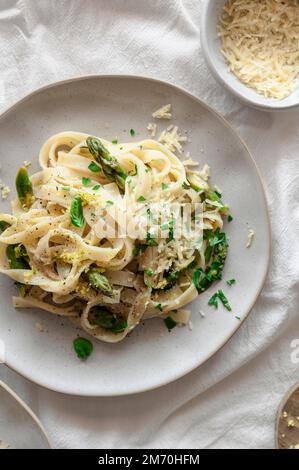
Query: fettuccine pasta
(97,235)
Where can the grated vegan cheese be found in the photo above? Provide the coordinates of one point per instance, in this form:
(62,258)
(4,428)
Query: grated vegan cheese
(172,139)
(5,190)
(260,41)
(152,128)
(163,113)
(250,238)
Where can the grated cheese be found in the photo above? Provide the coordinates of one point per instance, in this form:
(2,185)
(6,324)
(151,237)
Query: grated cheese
(172,139)
(152,128)
(260,41)
(250,238)
(163,113)
(5,190)
(39,327)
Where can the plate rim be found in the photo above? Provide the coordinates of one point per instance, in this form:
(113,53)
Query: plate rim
(249,156)
(28,410)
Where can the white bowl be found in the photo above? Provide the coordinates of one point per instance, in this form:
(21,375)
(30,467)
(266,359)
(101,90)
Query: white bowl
(211,12)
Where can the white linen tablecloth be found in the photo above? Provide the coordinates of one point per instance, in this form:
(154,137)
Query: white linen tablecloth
(232,400)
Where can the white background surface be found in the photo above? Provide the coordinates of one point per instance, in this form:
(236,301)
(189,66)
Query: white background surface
(231,401)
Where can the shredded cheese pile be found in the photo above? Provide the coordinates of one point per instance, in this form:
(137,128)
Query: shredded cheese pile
(260,41)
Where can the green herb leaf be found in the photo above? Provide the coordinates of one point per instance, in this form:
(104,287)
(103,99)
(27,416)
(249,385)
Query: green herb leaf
(164,186)
(196,277)
(138,249)
(216,237)
(213,300)
(83,347)
(115,141)
(132,132)
(141,199)
(109,203)
(171,224)
(66,188)
(94,167)
(159,307)
(76,212)
(230,218)
(150,239)
(85,181)
(231,282)
(224,300)
(170,323)
(96,187)
(221,296)
(149,272)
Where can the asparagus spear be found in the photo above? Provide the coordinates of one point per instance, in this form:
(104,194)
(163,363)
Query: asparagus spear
(109,164)
(24,188)
(99,282)
(108,320)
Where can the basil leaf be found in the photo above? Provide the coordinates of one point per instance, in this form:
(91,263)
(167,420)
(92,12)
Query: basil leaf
(76,212)
(83,347)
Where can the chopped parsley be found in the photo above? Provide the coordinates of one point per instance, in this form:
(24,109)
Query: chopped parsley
(85,181)
(231,282)
(115,141)
(83,348)
(109,203)
(230,218)
(132,132)
(171,232)
(222,297)
(94,167)
(150,239)
(238,318)
(149,272)
(66,188)
(159,307)
(96,187)
(214,238)
(170,323)
(196,278)
(164,186)
(214,300)
(141,199)
(138,249)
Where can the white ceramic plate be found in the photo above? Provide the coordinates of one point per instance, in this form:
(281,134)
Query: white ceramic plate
(109,106)
(19,427)
(211,47)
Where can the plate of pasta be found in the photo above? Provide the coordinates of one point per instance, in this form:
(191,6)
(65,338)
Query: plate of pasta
(130,238)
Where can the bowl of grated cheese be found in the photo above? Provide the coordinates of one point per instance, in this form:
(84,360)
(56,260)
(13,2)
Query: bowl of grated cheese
(252,48)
